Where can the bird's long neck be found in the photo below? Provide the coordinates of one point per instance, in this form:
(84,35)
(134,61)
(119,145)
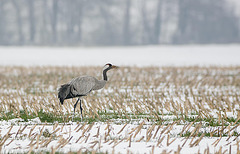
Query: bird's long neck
(105,73)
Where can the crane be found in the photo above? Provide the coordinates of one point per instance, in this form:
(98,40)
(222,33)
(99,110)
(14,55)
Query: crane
(82,86)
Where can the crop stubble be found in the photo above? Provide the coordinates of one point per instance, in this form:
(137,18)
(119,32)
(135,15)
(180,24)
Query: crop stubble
(205,100)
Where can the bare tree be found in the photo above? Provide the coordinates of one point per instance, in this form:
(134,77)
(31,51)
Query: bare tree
(114,22)
(73,18)
(44,30)
(151,28)
(126,24)
(31,20)
(157,23)
(205,22)
(108,28)
(54,20)
(146,36)
(79,20)
(19,22)
(3,40)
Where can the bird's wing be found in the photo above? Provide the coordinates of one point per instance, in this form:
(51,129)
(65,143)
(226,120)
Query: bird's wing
(82,85)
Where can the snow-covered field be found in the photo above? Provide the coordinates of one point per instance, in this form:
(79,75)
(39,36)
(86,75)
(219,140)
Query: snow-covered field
(112,138)
(143,109)
(204,55)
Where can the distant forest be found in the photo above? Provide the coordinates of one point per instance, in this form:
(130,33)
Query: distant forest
(117,22)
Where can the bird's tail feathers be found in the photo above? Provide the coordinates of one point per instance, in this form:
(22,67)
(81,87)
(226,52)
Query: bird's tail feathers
(63,92)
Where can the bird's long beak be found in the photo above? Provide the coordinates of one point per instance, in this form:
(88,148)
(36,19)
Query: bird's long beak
(115,67)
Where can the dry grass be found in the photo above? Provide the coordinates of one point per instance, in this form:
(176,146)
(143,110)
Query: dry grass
(132,91)
(165,96)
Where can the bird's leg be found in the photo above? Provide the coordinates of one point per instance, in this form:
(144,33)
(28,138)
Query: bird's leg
(75,105)
(81,109)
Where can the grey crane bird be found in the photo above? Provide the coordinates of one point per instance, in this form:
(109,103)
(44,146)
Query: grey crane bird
(82,86)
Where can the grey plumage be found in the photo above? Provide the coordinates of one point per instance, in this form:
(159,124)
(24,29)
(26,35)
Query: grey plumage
(82,86)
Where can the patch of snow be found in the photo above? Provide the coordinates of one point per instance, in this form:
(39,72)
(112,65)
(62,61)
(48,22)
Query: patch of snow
(35,120)
(108,138)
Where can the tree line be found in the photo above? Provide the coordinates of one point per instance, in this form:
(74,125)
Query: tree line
(114,22)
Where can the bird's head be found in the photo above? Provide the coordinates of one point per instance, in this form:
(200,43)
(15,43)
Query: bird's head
(110,66)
